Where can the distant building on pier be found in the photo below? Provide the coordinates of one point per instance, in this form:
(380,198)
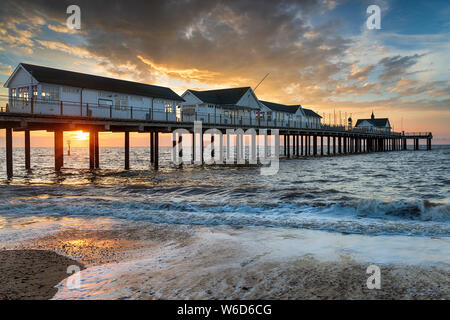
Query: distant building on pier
(374,124)
(227,106)
(313,119)
(282,113)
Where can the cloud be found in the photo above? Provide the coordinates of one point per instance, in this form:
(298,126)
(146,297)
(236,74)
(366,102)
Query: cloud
(62,28)
(360,74)
(397,66)
(63,47)
(5,69)
(211,44)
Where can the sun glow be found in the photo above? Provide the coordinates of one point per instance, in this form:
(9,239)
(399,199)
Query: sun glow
(80,135)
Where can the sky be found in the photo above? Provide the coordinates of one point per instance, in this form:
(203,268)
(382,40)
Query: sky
(319,54)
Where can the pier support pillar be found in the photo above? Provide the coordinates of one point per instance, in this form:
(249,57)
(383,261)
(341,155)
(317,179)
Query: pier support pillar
(334,145)
(9,153)
(193,147)
(293,145)
(328,145)
(127,150)
(321,146)
(59,153)
(27,150)
(428,144)
(212,146)
(201,147)
(340,144)
(297,149)
(152,151)
(288,139)
(315,145)
(156,150)
(96,150)
(308,145)
(301,145)
(345,145)
(180,146)
(91,151)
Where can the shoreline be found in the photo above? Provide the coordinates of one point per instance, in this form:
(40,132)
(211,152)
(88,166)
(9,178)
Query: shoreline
(158,261)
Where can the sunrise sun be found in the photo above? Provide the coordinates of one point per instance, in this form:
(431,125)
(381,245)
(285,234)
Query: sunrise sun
(80,135)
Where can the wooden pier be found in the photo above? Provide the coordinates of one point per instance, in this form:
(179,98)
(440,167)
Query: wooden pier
(298,142)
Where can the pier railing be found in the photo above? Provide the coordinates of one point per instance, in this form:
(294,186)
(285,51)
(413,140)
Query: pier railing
(173,114)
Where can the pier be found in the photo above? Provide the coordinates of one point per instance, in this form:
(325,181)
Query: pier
(298,141)
(54,100)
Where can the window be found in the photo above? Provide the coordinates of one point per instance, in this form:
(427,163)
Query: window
(35,94)
(70,90)
(168,107)
(120,102)
(269,116)
(14,97)
(24,95)
(260,115)
(49,93)
(137,99)
(104,94)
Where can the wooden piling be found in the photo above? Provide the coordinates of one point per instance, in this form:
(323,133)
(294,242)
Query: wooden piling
(27,150)
(339,145)
(301,146)
(91,150)
(315,145)
(289,145)
(345,145)
(152,146)
(212,147)
(321,146)
(156,163)
(58,147)
(334,145)
(180,146)
(127,150)
(96,150)
(328,145)
(307,145)
(9,153)
(193,147)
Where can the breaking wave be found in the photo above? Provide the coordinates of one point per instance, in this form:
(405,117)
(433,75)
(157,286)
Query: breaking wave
(360,217)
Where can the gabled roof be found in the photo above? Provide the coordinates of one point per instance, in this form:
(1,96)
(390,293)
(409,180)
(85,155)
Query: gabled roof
(222,96)
(280,107)
(379,123)
(82,80)
(310,113)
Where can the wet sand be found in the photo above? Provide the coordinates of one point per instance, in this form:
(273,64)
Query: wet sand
(32,274)
(158,261)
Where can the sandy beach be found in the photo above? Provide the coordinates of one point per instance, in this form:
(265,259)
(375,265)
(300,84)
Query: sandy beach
(159,261)
(32,274)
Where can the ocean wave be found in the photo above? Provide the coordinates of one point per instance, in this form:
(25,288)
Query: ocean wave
(414,210)
(361,217)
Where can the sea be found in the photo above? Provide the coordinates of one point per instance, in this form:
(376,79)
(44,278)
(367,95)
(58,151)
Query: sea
(381,199)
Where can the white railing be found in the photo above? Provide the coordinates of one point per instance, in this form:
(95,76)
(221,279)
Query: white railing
(89,110)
